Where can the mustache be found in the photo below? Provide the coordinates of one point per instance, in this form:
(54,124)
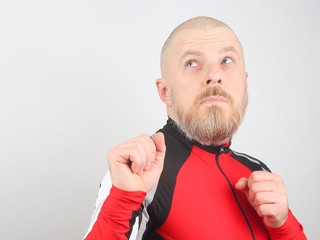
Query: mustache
(214,91)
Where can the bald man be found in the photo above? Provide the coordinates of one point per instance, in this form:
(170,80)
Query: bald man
(186,182)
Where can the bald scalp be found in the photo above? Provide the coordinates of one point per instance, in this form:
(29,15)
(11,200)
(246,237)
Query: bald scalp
(199,23)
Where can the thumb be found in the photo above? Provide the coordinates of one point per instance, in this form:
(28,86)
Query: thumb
(160,143)
(160,146)
(242,184)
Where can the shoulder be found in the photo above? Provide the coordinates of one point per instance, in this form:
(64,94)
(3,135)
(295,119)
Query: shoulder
(252,163)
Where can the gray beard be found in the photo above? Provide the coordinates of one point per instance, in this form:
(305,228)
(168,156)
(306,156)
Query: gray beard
(213,128)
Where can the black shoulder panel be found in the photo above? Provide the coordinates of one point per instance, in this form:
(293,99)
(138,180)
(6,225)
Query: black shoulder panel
(177,153)
(250,162)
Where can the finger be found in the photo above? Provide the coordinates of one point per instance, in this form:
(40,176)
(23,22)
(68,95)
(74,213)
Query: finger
(264,186)
(138,150)
(127,154)
(266,198)
(137,158)
(258,176)
(263,176)
(144,149)
(148,150)
(242,184)
(147,167)
(127,151)
(269,209)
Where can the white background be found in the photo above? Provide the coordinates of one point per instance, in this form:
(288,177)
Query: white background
(78,77)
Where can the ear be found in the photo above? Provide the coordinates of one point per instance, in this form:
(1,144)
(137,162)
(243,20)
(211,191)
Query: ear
(163,90)
(246,75)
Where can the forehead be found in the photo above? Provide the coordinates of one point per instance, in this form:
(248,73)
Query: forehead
(215,38)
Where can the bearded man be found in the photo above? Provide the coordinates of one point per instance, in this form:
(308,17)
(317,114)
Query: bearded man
(186,182)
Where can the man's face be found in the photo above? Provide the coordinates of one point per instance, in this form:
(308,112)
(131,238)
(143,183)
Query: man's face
(207,84)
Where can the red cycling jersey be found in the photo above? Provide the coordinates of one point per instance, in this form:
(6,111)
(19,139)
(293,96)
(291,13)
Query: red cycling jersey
(193,199)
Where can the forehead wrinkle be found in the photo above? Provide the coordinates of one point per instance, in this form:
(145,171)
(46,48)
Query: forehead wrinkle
(198,53)
(219,38)
(193,51)
(199,41)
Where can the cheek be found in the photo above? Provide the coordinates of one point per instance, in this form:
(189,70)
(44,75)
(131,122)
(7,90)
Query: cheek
(235,83)
(187,93)
(185,99)
(240,97)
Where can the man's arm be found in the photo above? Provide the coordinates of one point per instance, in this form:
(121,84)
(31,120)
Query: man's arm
(117,215)
(135,168)
(267,194)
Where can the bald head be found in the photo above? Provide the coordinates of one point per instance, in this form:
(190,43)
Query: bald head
(201,56)
(197,23)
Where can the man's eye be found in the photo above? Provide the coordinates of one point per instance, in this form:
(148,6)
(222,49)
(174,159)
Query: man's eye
(227,60)
(191,64)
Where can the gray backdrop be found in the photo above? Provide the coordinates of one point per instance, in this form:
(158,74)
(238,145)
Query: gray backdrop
(78,77)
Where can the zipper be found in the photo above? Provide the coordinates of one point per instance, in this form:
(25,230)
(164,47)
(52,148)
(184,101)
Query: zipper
(233,192)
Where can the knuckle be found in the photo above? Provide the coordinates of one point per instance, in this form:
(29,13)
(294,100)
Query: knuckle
(251,196)
(144,136)
(254,187)
(255,175)
(276,177)
(258,197)
(111,153)
(260,209)
(279,178)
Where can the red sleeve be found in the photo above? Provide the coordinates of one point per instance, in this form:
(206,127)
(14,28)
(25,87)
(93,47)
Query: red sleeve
(115,214)
(291,229)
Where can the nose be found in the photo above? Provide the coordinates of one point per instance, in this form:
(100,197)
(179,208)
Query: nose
(213,77)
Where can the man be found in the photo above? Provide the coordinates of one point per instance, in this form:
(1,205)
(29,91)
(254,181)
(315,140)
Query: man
(186,182)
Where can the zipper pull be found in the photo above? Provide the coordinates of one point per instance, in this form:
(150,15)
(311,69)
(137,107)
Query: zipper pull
(221,150)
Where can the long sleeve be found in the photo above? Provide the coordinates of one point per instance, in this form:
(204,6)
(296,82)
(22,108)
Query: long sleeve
(106,192)
(291,229)
(117,215)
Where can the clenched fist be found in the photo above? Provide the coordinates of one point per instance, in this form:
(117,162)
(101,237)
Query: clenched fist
(267,194)
(136,165)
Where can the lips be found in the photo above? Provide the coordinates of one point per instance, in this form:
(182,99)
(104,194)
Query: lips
(214,99)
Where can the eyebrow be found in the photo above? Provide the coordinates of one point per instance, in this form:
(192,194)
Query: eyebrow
(229,49)
(220,51)
(192,53)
